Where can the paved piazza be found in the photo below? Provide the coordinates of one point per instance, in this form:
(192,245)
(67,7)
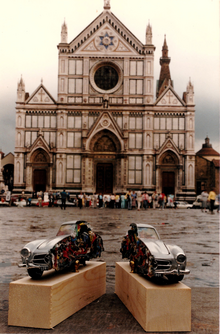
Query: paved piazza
(196,232)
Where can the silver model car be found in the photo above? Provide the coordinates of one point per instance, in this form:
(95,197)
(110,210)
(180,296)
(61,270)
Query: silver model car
(150,256)
(74,244)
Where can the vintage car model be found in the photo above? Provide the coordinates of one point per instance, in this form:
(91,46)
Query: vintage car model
(150,256)
(74,244)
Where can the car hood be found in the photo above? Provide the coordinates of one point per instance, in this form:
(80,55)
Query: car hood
(50,242)
(157,248)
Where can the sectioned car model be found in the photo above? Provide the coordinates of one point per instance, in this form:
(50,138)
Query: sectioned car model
(74,244)
(150,256)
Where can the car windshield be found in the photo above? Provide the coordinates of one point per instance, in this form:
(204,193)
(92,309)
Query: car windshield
(67,229)
(148,233)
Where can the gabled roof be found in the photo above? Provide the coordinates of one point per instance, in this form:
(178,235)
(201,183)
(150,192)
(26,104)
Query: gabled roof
(41,96)
(169,98)
(90,39)
(207,151)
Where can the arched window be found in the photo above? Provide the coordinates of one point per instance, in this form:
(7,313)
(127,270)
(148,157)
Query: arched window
(148,176)
(18,170)
(19,139)
(60,174)
(190,176)
(148,141)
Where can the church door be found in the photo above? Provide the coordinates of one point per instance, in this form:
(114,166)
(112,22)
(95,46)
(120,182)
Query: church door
(39,180)
(168,183)
(104,178)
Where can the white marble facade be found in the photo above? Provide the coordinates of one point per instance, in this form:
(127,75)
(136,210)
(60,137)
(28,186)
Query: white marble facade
(105,132)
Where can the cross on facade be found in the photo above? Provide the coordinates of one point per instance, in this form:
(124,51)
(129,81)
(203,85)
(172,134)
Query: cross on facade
(169,95)
(41,93)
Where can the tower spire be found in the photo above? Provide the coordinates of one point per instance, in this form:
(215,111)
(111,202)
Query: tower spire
(149,34)
(165,77)
(64,33)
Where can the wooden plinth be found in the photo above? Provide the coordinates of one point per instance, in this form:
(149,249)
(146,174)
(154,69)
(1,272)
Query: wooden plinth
(157,308)
(46,302)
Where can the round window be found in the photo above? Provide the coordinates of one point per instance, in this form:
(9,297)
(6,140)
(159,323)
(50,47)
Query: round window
(106,77)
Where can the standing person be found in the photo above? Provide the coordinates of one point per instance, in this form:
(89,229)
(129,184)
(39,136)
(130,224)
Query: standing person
(112,203)
(80,197)
(211,198)
(139,199)
(129,199)
(133,197)
(162,196)
(145,200)
(154,198)
(94,198)
(117,199)
(40,201)
(122,201)
(63,199)
(100,201)
(204,196)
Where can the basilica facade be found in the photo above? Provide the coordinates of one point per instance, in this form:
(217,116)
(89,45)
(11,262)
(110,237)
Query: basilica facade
(107,131)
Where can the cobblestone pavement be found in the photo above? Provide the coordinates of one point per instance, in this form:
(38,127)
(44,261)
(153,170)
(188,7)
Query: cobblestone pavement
(196,232)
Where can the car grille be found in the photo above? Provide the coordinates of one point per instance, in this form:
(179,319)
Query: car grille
(163,264)
(41,259)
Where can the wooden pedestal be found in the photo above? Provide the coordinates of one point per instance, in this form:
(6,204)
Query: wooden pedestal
(157,308)
(46,302)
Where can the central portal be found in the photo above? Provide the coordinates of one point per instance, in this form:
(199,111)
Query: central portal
(104,178)
(168,185)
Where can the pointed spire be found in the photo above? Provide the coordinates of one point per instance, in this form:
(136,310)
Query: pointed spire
(149,34)
(64,33)
(107,5)
(165,77)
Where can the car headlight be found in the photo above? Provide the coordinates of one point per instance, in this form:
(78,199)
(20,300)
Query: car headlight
(181,258)
(25,252)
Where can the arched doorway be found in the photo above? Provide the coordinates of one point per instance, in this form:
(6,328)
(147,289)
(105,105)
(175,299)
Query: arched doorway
(168,165)
(40,167)
(105,147)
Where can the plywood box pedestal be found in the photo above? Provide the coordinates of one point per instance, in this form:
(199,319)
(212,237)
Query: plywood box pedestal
(45,303)
(157,308)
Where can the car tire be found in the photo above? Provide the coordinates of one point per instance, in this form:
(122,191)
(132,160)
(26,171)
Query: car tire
(35,273)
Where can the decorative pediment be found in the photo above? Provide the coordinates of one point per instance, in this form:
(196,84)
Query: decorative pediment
(41,96)
(169,98)
(105,122)
(106,34)
(108,41)
(168,145)
(40,142)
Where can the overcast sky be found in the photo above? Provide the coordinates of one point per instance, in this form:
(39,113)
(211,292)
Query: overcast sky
(30,32)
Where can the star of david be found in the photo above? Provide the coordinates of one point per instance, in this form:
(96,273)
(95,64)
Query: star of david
(106,40)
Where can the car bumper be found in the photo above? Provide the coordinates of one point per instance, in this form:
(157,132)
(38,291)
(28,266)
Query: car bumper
(32,266)
(177,272)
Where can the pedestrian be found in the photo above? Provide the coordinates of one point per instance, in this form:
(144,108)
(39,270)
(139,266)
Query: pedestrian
(211,199)
(218,198)
(80,197)
(161,201)
(94,198)
(100,201)
(40,201)
(117,199)
(204,197)
(123,201)
(145,200)
(112,203)
(154,198)
(133,197)
(139,199)
(129,199)
(63,199)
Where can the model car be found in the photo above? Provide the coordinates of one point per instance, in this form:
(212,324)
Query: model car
(150,256)
(74,244)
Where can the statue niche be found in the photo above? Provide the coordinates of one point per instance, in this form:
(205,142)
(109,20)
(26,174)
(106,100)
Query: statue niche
(104,144)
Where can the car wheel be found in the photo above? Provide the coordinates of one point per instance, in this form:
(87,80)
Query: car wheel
(35,273)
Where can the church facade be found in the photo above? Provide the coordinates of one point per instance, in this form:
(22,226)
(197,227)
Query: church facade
(106,132)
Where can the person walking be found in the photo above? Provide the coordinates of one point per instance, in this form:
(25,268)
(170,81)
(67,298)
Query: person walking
(100,201)
(63,199)
(211,199)
(133,197)
(129,199)
(154,198)
(204,196)
(80,197)
(139,199)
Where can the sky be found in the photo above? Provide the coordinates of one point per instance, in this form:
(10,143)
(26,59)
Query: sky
(30,32)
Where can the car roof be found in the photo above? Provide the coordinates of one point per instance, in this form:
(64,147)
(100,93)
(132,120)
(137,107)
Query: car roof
(145,225)
(72,222)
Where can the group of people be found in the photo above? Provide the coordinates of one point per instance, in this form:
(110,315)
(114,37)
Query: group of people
(130,200)
(208,200)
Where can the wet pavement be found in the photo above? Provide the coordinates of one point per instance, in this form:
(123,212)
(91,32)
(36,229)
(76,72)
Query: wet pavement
(194,231)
